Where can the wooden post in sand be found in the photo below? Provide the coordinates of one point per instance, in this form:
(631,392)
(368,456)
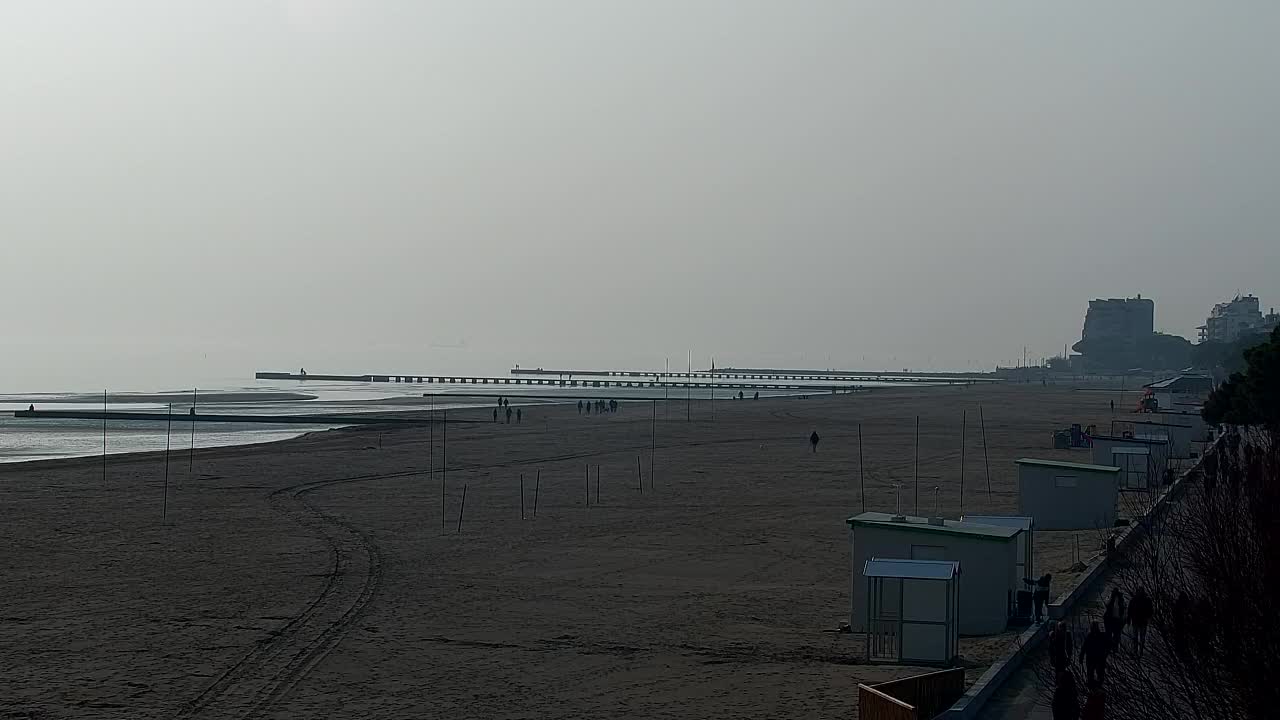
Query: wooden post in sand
(104,436)
(639,476)
(915,473)
(653,441)
(964,415)
(986,460)
(586,485)
(862,479)
(191,458)
(462,508)
(597,484)
(168,431)
(521,496)
(537,486)
(444,467)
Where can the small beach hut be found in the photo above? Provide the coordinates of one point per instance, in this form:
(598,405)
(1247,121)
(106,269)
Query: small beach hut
(1179,435)
(987,554)
(1135,466)
(1067,496)
(1157,449)
(913,611)
(1026,537)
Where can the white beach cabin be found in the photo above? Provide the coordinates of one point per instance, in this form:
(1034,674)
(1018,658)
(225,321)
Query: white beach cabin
(1157,450)
(913,611)
(1136,469)
(1026,537)
(1066,495)
(987,554)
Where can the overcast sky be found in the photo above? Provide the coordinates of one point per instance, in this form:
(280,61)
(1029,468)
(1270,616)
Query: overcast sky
(202,189)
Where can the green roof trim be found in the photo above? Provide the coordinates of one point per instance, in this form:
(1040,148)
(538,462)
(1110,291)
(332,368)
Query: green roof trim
(1068,465)
(950,527)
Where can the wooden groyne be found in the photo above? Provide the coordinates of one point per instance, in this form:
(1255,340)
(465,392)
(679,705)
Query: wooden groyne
(359,419)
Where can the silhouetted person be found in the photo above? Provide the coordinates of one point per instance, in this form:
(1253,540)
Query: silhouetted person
(756,396)
(1094,650)
(1140,611)
(506,402)
(1060,646)
(495,414)
(508,416)
(519,415)
(499,401)
(31,408)
(1095,703)
(1066,703)
(739,394)
(579,407)
(1040,597)
(1182,626)
(1114,618)
(813,440)
(1113,406)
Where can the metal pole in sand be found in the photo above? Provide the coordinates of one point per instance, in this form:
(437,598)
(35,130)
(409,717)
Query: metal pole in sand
(462,508)
(915,473)
(431,445)
(639,476)
(444,465)
(597,484)
(537,486)
(168,431)
(963,419)
(986,460)
(586,484)
(521,496)
(653,441)
(191,458)
(104,436)
(862,478)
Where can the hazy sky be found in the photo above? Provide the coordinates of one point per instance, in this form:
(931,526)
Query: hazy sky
(201,189)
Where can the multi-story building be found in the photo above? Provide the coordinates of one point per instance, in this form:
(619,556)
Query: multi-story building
(1242,316)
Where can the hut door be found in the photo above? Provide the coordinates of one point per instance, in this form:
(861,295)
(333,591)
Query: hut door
(884,637)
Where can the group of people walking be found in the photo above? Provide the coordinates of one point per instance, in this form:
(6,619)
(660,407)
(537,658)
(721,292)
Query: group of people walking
(597,406)
(1102,639)
(505,404)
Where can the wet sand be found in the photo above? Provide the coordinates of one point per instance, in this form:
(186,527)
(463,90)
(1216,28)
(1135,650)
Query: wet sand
(312,577)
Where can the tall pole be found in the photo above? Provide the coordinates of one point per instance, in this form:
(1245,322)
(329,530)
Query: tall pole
(963,420)
(168,431)
(862,478)
(653,441)
(688,388)
(431,449)
(915,473)
(444,463)
(104,436)
(191,458)
(666,392)
(986,460)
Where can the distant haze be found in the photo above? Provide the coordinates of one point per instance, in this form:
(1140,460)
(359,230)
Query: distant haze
(201,189)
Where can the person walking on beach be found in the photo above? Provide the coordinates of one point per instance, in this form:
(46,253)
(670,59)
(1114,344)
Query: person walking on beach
(508,416)
(579,407)
(1094,650)
(1140,611)
(1113,619)
(756,396)
(1060,646)
(1065,703)
(519,415)
(813,440)
(1040,597)
(495,414)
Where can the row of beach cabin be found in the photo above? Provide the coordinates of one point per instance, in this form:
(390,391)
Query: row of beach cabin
(919,583)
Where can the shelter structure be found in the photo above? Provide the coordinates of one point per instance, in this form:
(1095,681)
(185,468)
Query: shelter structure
(913,611)
(1157,449)
(1066,495)
(1026,537)
(987,557)
(1180,435)
(1136,470)
(1180,392)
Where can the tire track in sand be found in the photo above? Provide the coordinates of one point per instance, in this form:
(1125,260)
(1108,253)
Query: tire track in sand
(275,666)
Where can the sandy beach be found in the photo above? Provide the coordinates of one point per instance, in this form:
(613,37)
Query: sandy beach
(318,577)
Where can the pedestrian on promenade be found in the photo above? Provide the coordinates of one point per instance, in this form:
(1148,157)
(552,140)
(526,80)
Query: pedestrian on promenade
(1094,650)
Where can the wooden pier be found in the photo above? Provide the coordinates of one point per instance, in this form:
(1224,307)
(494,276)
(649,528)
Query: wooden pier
(673,381)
